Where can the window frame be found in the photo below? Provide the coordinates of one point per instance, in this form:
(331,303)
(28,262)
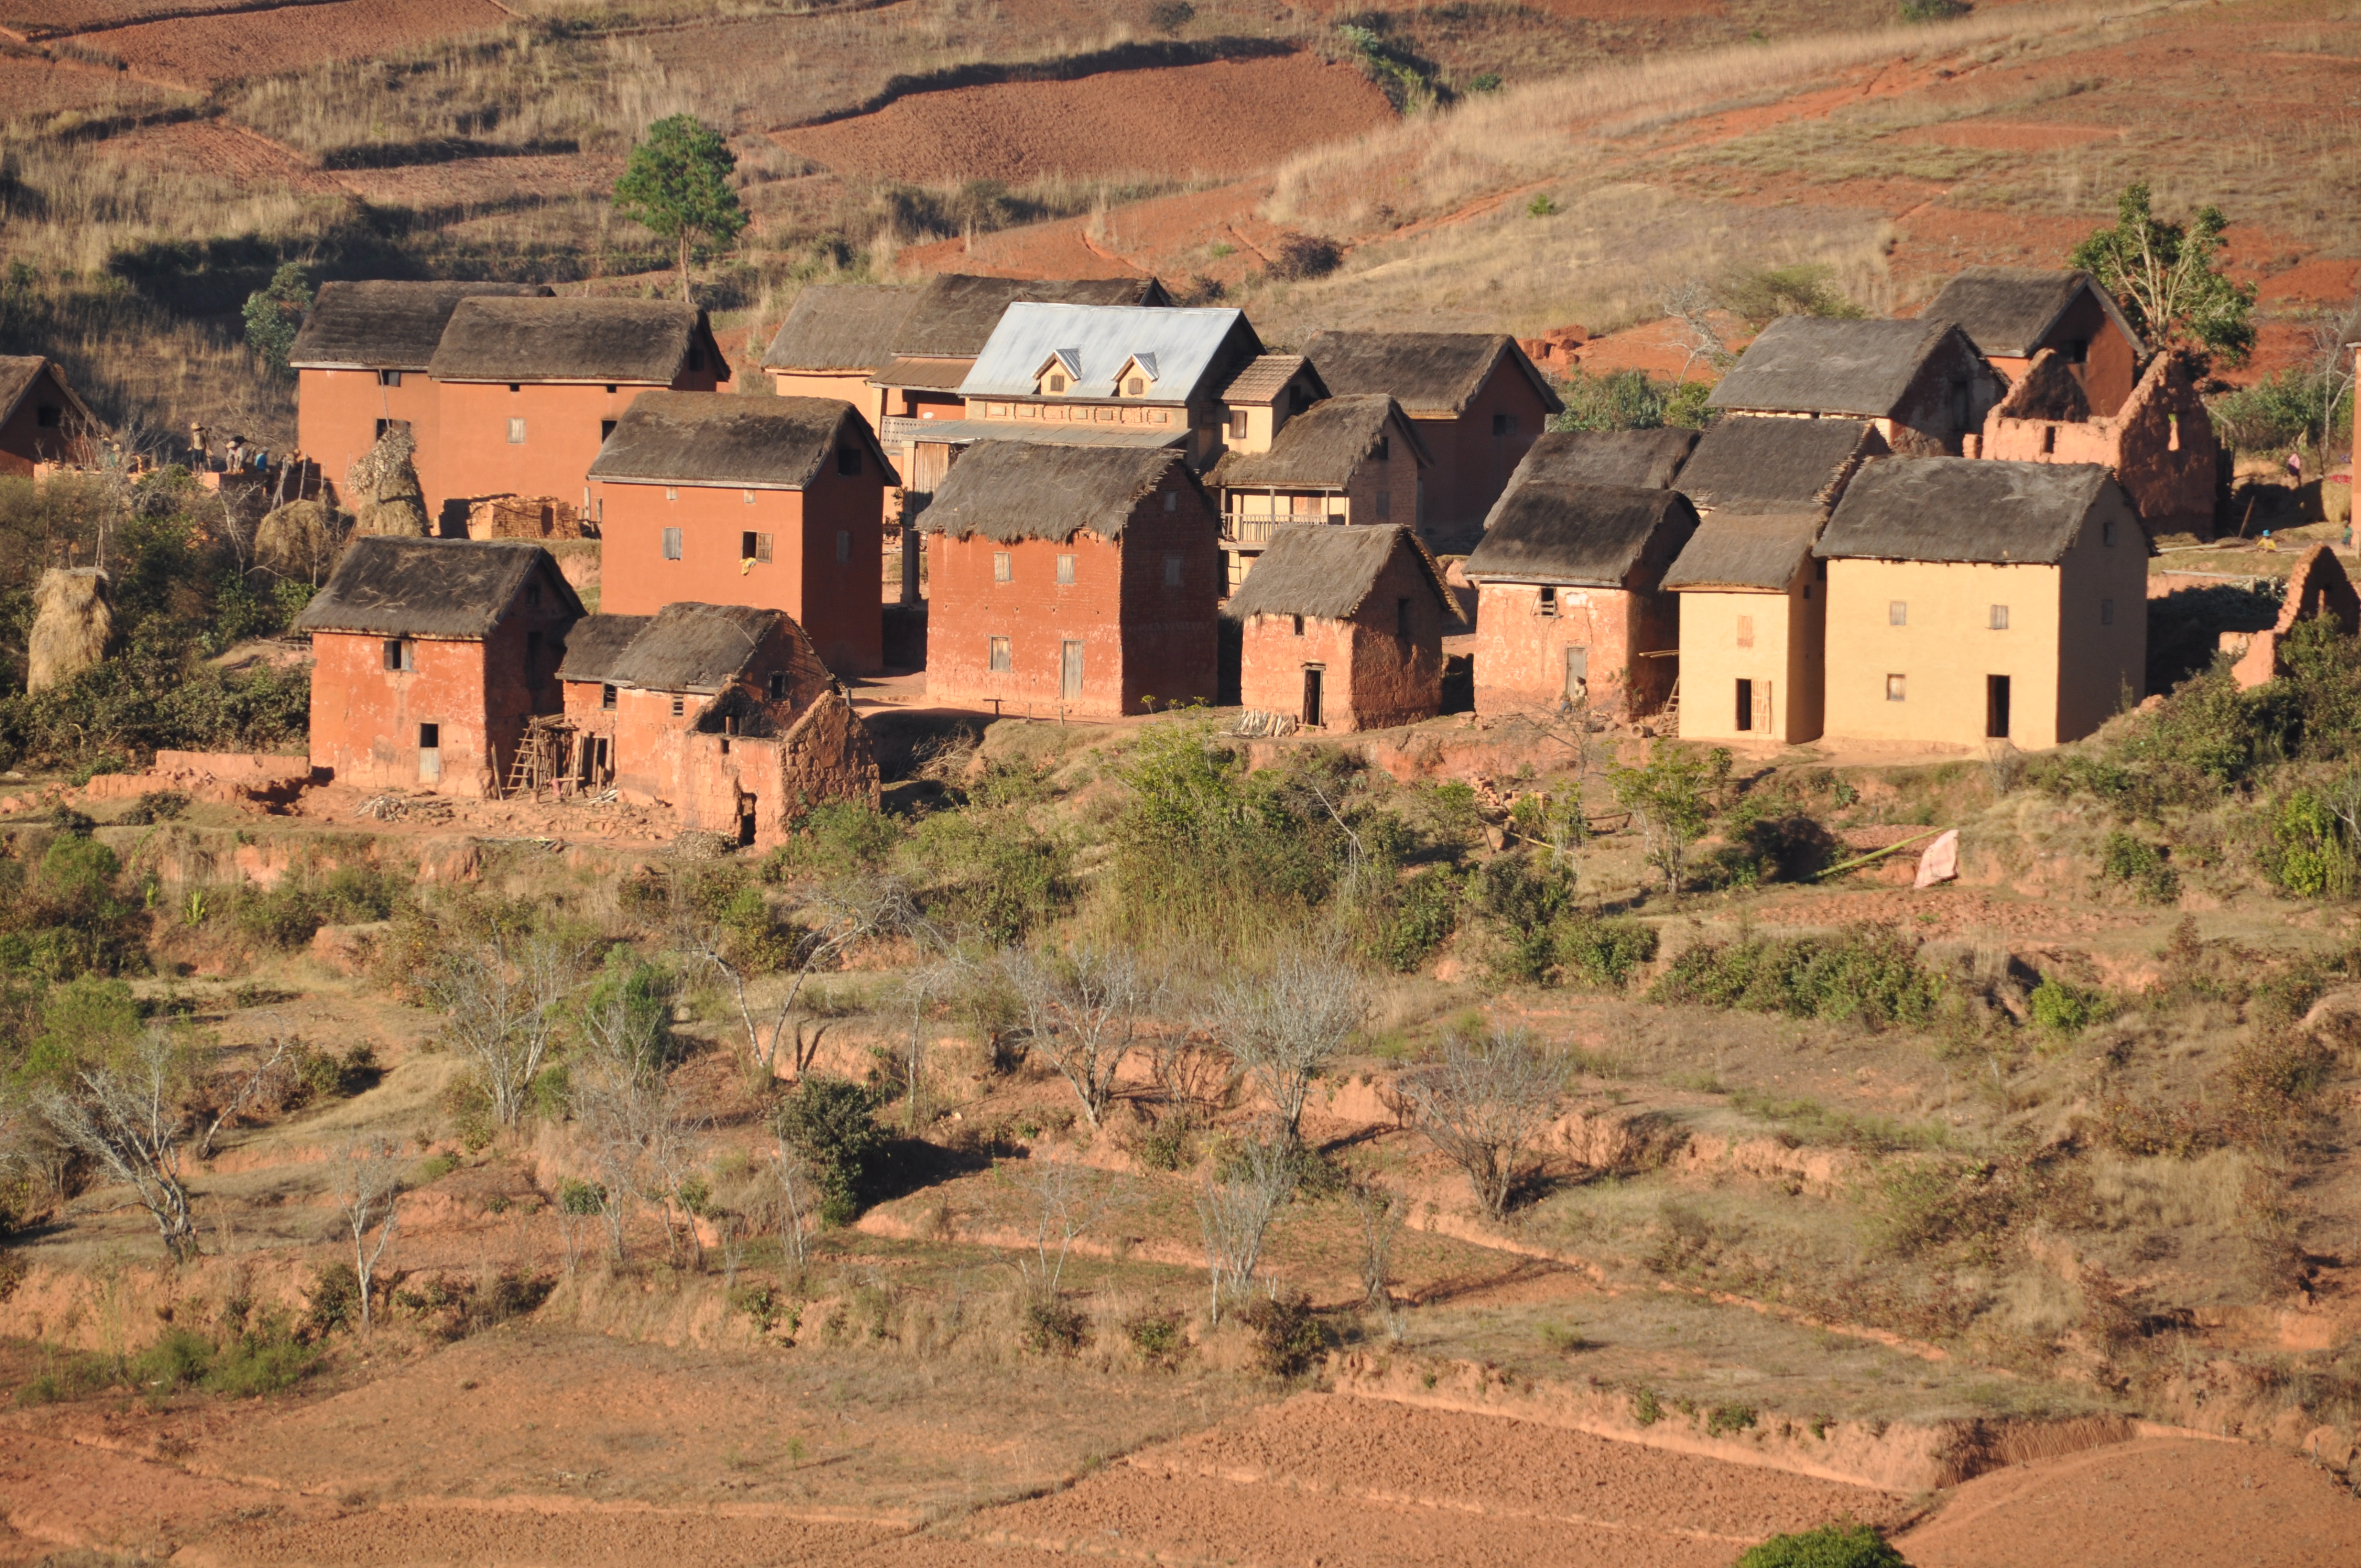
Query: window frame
(676,548)
(998,658)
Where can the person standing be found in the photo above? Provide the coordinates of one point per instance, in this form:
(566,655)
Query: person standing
(199,454)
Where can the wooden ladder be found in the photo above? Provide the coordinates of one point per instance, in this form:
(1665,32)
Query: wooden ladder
(1673,706)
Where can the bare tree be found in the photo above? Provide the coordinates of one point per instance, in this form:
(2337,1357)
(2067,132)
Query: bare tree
(1484,1107)
(1058,1201)
(1235,1205)
(1381,1210)
(1191,1074)
(502,999)
(797,1198)
(1285,1028)
(245,1092)
(368,1181)
(1085,1010)
(129,1114)
(840,915)
(1691,304)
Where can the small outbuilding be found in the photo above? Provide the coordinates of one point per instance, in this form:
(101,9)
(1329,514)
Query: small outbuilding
(1753,618)
(1976,601)
(1075,580)
(2013,313)
(724,713)
(1571,605)
(772,502)
(1922,382)
(432,657)
(42,419)
(1351,460)
(1343,628)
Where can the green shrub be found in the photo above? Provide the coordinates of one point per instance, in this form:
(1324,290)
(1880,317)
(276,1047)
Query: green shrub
(1423,913)
(1052,1326)
(1934,10)
(1866,974)
(336,1298)
(2309,854)
(839,839)
(2064,1009)
(1287,1333)
(829,1121)
(1723,1419)
(2140,866)
(2282,410)
(1646,1408)
(1158,1338)
(1831,1545)
(1603,952)
(179,1360)
(1629,400)
(991,873)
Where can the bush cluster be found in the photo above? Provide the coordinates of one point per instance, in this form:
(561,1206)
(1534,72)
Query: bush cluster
(1866,974)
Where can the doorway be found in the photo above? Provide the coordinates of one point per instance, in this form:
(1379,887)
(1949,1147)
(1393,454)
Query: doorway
(1995,708)
(1745,705)
(1577,674)
(1313,679)
(745,821)
(1069,672)
(430,753)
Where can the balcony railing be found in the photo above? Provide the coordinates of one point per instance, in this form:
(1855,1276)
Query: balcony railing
(1242,528)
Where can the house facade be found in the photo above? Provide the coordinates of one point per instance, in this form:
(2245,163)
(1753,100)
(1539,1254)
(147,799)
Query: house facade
(2159,443)
(1571,606)
(1922,382)
(431,658)
(1478,403)
(723,713)
(1342,628)
(951,317)
(360,361)
(770,502)
(2013,313)
(1753,621)
(1073,580)
(1970,602)
(1348,460)
(41,419)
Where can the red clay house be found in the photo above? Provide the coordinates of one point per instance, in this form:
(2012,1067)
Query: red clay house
(431,657)
(1922,381)
(2158,442)
(836,338)
(360,364)
(1570,600)
(2012,313)
(1071,579)
(1343,628)
(529,388)
(1478,403)
(1342,460)
(41,420)
(723,713)
(771,502)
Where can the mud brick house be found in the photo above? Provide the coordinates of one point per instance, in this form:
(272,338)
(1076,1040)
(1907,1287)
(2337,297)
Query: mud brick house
(1261,398)
(529,388)
(2012,313)
(1343,628)
(2159,443)
(360,361)
(836,339)
(1752,616)
(1922,381)
(723,713)
(1478,401)
(431,658)
(1972,601)
(1570,600)
(954,315)
(772,502)
(41,419)
(1354,460)
(1071,579)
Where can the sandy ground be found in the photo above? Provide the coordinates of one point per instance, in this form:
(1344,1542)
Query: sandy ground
(1225,118)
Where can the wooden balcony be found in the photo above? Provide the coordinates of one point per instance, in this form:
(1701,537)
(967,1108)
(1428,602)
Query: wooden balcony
(1255,527)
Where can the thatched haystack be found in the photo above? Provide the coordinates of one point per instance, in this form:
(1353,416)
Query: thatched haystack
(383,489)
(72,622)
(299,539)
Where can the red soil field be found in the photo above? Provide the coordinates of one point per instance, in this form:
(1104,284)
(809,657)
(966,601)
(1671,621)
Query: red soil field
(29,87)
(2013,137)
(221,151)
(1227,117)
(199,52)
(465,182)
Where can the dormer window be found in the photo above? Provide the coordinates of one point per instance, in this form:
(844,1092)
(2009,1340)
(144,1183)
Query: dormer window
(1054,383)
(1137,376)
(1134,386)
(1058,373)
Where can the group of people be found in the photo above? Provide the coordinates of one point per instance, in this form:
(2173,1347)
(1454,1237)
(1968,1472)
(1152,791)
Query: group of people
(239,456)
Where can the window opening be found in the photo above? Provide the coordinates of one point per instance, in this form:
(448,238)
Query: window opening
(998,650)
(1894,688)
(672,544)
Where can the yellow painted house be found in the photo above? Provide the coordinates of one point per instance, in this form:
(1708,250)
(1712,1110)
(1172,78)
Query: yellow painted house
(1974,601)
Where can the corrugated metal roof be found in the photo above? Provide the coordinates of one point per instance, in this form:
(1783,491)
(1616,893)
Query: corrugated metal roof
(966,431)
(1745,549)
(1967,508)
(387,586)
(1811,365)
(386,324)
(719,438)
(956,312)
(1190,346)
(840,327)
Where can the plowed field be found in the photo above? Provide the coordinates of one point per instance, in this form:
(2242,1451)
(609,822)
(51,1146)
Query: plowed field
(201,51)
(1227,117)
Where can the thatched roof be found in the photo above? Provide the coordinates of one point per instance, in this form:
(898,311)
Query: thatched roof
(1180,351)
(1008,490)
(1746,550)
(1762,464)
(1641,459)
(715,438)
(2009,310)
(1434,375)
(386,587)
(954,315)
(922,375)
(1329,572)
(1546,530)
(20,373)
(840,327)
(1267,375)
(699,648)
(594,643)
(1811,365)
(1326,445)
(382,325)
(575,339)
(1966,509)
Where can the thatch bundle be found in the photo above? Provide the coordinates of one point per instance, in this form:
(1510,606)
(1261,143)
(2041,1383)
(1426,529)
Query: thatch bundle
(298,540)
(72,622)
(382,486)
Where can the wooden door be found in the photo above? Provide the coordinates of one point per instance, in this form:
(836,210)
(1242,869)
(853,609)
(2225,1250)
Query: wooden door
(1312,694)
(1069,672)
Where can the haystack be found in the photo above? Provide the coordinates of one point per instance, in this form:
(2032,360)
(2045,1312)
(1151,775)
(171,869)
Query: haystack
(298,540)
(72,622)
(383,489)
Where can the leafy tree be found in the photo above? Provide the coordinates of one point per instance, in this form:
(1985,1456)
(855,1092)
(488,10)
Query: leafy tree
(1830,1546)
(273,313)
(1672,796)
(829,1122)
(2167,279)
(677,184)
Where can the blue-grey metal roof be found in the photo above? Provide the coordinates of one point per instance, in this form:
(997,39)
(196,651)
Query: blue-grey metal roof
(1181,348)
